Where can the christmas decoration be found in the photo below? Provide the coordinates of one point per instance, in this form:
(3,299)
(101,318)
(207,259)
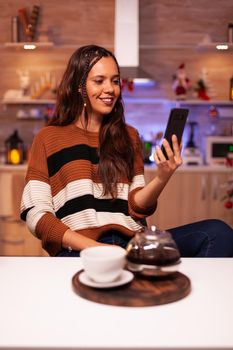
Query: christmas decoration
(213,113)
(181,83)
(29,22)
(127,84)
(228,186)
(203,88)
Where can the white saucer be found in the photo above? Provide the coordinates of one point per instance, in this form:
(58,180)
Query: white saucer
(125,277)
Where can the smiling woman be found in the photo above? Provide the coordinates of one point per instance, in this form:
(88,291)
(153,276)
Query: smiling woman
(85,181)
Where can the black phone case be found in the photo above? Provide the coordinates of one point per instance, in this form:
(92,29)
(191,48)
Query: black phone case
(175,126)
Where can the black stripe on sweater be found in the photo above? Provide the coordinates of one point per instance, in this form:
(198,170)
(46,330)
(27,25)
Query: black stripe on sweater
(23,215)
(89,202)
(66,155)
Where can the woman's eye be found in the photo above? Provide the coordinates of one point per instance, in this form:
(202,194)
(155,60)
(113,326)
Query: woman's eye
(116,81)
(98,81)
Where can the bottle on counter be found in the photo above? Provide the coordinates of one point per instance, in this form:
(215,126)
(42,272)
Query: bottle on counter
(14,30)
(230,32)
(231,89)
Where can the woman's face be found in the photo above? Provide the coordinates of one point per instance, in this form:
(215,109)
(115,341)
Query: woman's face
(103,86)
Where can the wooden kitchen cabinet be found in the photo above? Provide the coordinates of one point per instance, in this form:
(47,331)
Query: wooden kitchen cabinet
(15,239)
(189,196)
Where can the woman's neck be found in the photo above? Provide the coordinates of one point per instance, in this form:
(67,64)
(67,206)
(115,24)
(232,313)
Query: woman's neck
(93,125)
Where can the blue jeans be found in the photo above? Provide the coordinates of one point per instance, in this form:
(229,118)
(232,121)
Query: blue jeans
(207,238)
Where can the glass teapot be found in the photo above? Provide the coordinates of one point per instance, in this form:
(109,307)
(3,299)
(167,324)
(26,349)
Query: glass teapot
(152,252)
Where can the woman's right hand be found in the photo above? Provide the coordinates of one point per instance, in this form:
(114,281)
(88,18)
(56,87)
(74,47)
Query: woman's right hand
(76,241)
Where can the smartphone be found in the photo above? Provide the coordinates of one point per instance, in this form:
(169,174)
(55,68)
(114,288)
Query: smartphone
(175,126)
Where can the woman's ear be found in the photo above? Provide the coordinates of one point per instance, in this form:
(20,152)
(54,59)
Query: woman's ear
(80,90)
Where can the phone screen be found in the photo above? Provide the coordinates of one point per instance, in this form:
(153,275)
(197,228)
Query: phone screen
(175,126)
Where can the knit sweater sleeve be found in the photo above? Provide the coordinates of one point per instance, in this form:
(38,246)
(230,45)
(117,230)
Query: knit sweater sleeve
(37,204)
(138,183)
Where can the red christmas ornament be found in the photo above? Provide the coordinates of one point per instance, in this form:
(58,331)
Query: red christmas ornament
(229,162)
(213,112)
(123,83)
(130,85)
(228,204)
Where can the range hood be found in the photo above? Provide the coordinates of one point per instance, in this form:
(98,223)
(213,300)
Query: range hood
(126,41)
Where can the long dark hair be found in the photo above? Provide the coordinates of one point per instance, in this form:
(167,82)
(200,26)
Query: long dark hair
(116,150)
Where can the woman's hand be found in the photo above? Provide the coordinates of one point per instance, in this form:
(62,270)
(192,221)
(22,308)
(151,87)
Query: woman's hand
(166,167)
(148,195)
(76,241)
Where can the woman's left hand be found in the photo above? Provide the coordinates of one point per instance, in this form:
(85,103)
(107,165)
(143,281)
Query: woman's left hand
(166,167)
(148,195)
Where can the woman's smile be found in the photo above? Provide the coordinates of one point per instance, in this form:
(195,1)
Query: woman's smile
(108,101)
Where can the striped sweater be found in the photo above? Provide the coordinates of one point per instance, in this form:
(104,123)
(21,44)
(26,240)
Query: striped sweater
(63,190)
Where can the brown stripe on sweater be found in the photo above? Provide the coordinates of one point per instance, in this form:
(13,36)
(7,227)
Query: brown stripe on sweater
(54,140)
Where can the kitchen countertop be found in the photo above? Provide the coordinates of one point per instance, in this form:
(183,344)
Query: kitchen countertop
(196,168)
(39,310)
(152,167)
(13,168)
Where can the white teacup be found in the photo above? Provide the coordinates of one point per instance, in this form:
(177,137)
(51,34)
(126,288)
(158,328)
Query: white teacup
(104,263)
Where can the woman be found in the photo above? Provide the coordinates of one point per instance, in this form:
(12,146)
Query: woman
(85,185)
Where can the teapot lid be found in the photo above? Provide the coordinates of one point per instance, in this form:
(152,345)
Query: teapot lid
(155,234)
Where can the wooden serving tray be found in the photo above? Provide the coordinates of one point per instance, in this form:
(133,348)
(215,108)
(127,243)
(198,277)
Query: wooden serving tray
(141,291)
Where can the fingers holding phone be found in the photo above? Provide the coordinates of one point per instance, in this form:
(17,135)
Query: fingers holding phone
(167,148)
(177,147)
(173,153)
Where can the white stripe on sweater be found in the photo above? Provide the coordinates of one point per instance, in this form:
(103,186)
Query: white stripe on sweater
(89,218)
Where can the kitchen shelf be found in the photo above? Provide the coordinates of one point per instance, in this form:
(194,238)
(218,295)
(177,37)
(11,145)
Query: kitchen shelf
(28,101)
(200,46)
(144,100)
(46,45)
(166,46)
(203,46)
(155,100)
(20,45)
(204,103)
(212,46)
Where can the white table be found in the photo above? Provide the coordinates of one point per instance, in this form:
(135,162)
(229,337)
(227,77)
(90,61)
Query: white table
(39,310)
